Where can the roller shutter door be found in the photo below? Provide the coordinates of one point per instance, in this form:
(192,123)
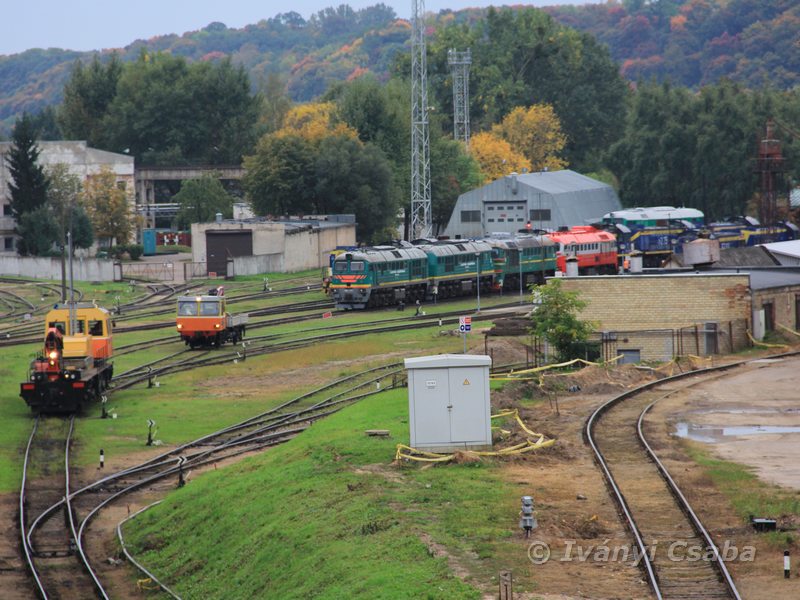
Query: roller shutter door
(222,245)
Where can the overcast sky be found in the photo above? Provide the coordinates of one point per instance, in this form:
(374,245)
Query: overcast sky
(97,24)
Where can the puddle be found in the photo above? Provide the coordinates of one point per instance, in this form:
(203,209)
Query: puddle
(711,434)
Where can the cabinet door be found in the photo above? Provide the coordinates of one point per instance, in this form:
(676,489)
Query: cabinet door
(431,412)
(468,414)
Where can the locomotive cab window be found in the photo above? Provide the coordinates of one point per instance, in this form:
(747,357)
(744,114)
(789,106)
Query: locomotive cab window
(210,309)
(357,266)
(340,266)
(95,328)
(187,309)
(60,325)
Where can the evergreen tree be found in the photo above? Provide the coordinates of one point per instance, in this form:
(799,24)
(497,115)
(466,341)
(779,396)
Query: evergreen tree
(28,184)
(87,96)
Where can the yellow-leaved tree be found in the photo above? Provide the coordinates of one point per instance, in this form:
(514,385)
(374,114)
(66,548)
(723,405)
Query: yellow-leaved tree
(496,156)
(536,133)
(314,122)
(106,203)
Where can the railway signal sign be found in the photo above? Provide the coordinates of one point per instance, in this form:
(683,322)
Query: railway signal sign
(465,324)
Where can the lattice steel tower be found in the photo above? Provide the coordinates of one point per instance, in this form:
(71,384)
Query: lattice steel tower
(459,68)
(421,220)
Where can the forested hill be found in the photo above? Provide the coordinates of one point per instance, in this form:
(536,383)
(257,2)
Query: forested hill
(691,42)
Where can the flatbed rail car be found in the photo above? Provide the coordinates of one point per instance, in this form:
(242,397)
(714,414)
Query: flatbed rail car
(75,365)
(203,320)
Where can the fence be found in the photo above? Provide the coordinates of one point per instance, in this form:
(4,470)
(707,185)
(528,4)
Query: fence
(146,271)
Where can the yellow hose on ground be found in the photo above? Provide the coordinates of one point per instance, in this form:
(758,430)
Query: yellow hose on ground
(409,453)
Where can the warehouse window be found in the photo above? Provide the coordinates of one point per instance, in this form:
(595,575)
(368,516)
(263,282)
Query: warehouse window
(470,216)
(8,243)
(542,214)
(7,210)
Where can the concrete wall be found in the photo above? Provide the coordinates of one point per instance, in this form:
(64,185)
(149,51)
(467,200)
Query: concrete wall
(664,315)
(254,265)
(84,269)
(278,247)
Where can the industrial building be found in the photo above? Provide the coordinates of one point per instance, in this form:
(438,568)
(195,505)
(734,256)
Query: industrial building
(251,246)
(546,200)
(662,315)
(82,161)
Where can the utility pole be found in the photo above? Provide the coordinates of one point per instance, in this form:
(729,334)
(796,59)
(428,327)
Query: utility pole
(421,219)
(459,68)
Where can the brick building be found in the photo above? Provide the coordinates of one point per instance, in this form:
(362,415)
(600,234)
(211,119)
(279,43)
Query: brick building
(658,316)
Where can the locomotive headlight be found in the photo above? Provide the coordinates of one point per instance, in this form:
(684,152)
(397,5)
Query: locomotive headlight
(53,355)
(180,325)
(216,325)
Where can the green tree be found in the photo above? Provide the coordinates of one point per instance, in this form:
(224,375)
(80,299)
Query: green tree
(167,111)
(453,172)
(63,200)
(107,206)
(523,57)
(356,178)
(279,177)
(201,199)
(28,181)
(276,103)
(87,96)
(555,317)
(39,232)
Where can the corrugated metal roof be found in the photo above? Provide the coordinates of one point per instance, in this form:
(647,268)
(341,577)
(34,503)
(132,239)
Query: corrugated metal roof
(790,248)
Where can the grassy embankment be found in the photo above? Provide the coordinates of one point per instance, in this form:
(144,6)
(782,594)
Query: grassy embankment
(188,405)
(328,516)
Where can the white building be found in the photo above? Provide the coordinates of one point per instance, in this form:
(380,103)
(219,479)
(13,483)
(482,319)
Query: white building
(81,160)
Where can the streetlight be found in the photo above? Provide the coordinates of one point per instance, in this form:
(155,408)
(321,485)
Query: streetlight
(519,254)
(478,262)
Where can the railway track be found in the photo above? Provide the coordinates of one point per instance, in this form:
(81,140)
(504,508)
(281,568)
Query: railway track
(657,514)
(50,550)
(162,472)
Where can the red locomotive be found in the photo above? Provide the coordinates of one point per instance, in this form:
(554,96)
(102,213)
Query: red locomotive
(596,250)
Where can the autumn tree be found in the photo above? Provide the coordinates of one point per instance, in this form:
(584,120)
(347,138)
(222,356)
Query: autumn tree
(496,156)
(106,203)
(536,133)
(201,199)
(522,57)
(313,122)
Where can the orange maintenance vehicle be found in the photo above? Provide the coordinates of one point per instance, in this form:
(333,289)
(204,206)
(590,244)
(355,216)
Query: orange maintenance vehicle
(75,365)
(203,321)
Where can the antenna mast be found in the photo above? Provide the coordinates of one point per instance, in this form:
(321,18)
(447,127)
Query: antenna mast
(459,67)
(421,221)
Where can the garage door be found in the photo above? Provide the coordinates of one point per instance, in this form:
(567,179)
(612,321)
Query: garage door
(222,245)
